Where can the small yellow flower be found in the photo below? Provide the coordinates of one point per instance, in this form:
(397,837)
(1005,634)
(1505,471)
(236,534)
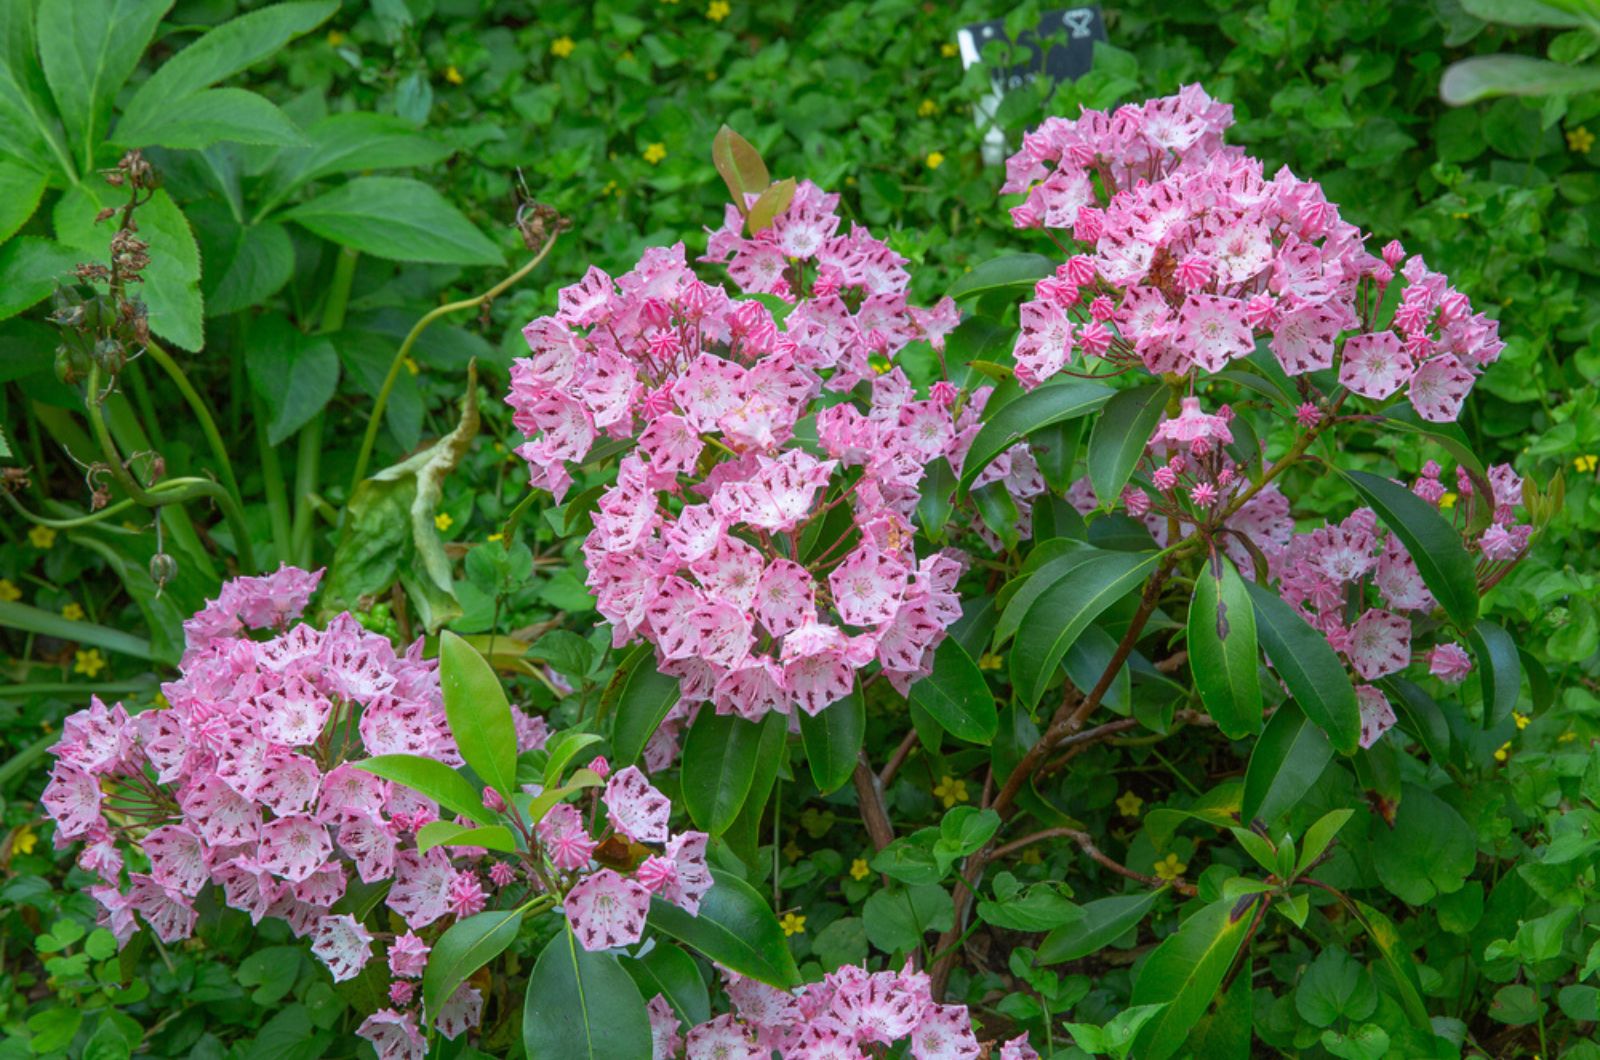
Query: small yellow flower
(73,612)
(412,366)
(1447,501)
(23,841)
(655,153)
(711,75)
(1567,737)
(927,108)
(1129,803)
(9,590)
(859,870)
(1520,718)
(335,38)
(1461,215)
(719,10)
(562,47)
(947,50)
(42,538)
(990,661)
(1586,463)
(1031,856)
(1580,140)
(1170,868)
(496,537)
(1504,752)
(89,663)
(792,924)
(950,791)
(935,159)
(452,75)
(792,851)
(443,522)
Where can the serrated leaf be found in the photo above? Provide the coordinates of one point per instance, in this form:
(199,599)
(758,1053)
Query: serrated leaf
(211,116)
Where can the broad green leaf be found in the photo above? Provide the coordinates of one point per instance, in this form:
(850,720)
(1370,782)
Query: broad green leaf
(1121,433)
(1055,450)
(672,973)
(735,928)
(20,191)
(212,116)
(1040,908)
(646,696)
(719,765)
(449,834)
(1223,1033)
(1499,670)
(479,715)
(1527,12)
(744,836)
(30,270)
(582,1006)
(88,48)
(898,919)
(560,751)
(1421,716)
(464,948)
(353,142)
(833,739)
(51,624)
(1016,273)
(1089,657)
(1402,968)
(1486,76)
(1430,850)
(1062,612)
(395,218)
(1184,972)
(541,804)
(1320,835)
(244,264)
(1434,544)
(293,373)
(998,510)
(1314,675)
(937,500)
(1287,759)
(1103,922)
(1014,603)
(1223,655)
(740,166)
(770,205)
(956,694)
(32,135)
(1334,987)
(1008,424)
(434,779)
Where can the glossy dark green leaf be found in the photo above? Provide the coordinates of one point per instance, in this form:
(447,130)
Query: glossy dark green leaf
(956,694)
(719,765)
(1061,612)
(833,739)
(479,715)
(938,498)
(1014,273)
(464,948)
(1121,433)
(1055,450)
(430,777)
(1433,543)
(1087,660)
(736,928)
(672,973)
(449,834)
(1103,922)
(582,1006)
(1421,716)
(1223,652)
(999,512)
(1397,958)
(1286,761)
(1223,1033)
(1314,675)
(1184,973)
(1499,670)
(1008,424)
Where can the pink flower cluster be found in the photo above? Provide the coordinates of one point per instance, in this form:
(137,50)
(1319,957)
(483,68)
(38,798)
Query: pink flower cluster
(850,1013)
(707,545)
(1185,256)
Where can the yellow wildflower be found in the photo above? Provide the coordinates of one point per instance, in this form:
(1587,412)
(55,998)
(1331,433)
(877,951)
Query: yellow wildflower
(23,840)
(1567,737)
(335,38)
(859,870)
(990,661)
(1580,140)
(496,537)
(452,75)
(711,75)
(1504,752)
(73,612)
(1129,803)
(950,791)
(42,538)
(412,366)
(1170,868)
(947,50)
(1031,856)
(443,522)
(1520,718)
(89,663)
(792,851)
(655,153)
(719,10)
(935,159)
(1586,463)
(792,924)
(927,108)
(1447,501)
(562,47)
(9,591)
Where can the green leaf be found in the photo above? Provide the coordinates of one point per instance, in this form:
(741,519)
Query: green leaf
(212,116)
(740,166)
(396,218)
(1104,921)
(1486,76)
(432,778)
(672,973)
(1430,850)
(449,834)
(1445,567)
(542,804)
(957,696)
(53,1028)
(353,142)
(1499,670)
(1222,648)
(1320,835)
(30,270)
(1526,12)
(20,191)
(1224,1032)
(647,695)
(582,1005)
(719,766)
(897,919)
(1040,908)
(1334,987)
(294,374)
(560,751)
(244,265)
(50,624)
(937,499)
(1008,424)
(479,716)
(464,948)
(1421,715)
(998,510)
(26,113)
(1184,972)
(1288,758)
(1402,968)
(1063,554)
(1121,433)
(88,48)
(833,738)
(735,928)
(1014,273)
(773,201)
(1314,675)
(1062,612)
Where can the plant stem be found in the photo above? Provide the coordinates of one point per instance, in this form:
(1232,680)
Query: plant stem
(202,412)
(308,451)
(272,480)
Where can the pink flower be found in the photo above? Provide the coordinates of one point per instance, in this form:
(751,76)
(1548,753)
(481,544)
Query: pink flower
(944,1033)
(1380,644)
(393,1035)
(408,956)
(343,944)
(1439,388)
(664,1037)
(463,1009)
(1212,331)
(724,1038)
(294,847)
(400,992)
(635,808)
(1375,365)
(1377,716)
(1450,663)
(691,876)
(565,841)
(867,586)
(466,895)
(1307,415)
(607,910)
(502,874)
(1203,495)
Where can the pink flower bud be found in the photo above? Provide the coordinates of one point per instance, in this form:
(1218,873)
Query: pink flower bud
(601,767)
(493,801)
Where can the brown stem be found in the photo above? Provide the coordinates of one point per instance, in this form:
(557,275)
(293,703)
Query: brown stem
(874,814)
(897,759)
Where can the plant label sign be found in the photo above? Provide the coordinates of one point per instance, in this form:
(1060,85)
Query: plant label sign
(1036,51)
